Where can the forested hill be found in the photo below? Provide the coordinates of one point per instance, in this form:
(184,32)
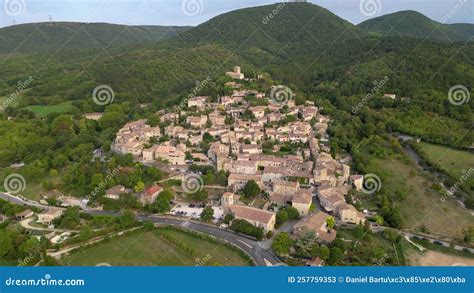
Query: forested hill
(414,24)
(41,37)
(270,27)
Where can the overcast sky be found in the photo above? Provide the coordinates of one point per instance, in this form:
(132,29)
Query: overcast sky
(194,12)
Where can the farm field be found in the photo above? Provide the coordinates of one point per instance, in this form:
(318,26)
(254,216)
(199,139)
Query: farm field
(421,206)
(153,248)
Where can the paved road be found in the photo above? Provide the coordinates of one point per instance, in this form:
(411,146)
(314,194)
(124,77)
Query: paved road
(260,256)
(16,200)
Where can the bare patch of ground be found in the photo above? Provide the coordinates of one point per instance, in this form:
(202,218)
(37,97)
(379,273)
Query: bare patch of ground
(438,259)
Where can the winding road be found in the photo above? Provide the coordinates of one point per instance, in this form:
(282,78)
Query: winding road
(260,256)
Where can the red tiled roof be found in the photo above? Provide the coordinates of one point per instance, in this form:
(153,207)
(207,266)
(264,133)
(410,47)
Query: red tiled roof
(152,190)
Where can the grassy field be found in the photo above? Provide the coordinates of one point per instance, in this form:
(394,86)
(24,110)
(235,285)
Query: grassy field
(34,190)
(46,110)
(150,248)
(421,206)
(451,160)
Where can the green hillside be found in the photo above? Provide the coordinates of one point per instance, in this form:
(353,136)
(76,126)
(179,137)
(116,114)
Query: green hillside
(414,24)
(40,37)
(270,27)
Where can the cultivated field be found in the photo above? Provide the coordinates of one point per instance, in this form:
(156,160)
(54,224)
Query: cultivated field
(162,247)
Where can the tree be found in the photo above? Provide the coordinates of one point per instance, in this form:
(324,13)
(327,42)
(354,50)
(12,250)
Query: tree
(324,252)
(207,137)
(71,218)
(305,243)
(148,225)
(379,220)
(335,255)
(469,235)
(282,244)
(281,217)
(293,213)
(86,233)
(228,218)
(198,196)
(251,189)
(127,219)
(245,227)
(162,202)
(139,187)
(207,214)
(154,120)
(330,222)
(390,235)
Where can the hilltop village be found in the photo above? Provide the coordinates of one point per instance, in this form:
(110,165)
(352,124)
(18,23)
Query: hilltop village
(267,146)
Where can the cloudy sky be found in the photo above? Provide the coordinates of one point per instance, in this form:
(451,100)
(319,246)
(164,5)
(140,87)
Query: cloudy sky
(194,12)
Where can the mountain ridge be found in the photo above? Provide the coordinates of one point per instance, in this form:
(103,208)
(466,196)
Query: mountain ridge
(410,23)
(43,36)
